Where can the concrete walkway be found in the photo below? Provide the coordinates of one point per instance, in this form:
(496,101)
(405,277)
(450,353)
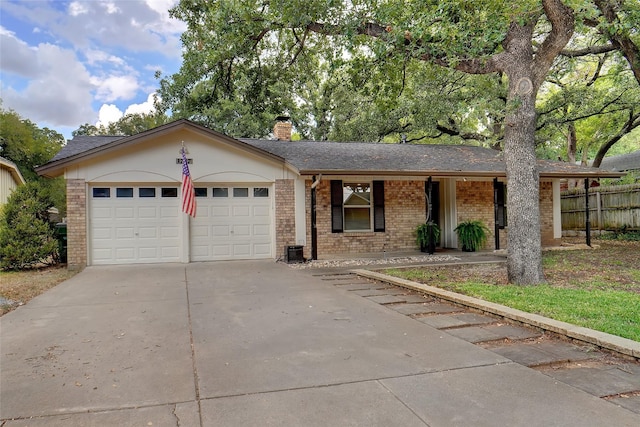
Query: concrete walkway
(257,343)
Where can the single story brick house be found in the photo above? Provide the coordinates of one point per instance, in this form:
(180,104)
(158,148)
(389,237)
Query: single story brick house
(255,198)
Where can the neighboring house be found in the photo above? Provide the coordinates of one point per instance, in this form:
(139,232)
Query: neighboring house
(10,179)
(257,197)
(622,163)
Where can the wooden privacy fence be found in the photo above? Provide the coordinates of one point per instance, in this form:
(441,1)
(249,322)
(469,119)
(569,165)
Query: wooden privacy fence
(610,208)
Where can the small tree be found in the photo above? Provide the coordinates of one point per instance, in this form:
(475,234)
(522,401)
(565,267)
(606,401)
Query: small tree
(26,235)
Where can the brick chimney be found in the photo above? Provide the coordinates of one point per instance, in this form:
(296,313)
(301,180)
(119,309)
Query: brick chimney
(282,128)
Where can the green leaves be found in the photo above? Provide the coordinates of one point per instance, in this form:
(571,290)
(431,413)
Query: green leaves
(26,236)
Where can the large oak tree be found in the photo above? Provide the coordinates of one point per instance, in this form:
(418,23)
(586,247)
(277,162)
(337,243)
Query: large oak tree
(261,54)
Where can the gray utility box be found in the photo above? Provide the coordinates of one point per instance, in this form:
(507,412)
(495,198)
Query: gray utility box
(293,254)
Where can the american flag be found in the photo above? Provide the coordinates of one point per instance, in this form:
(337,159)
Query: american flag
(188,193)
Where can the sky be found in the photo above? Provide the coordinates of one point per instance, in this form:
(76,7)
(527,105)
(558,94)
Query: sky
(67,63)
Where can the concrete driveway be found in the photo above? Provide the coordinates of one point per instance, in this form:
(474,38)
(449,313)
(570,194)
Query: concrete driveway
(256,343)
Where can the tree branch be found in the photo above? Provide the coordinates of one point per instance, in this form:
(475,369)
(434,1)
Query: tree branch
(591,50)
(630,50)
(632,123)
(562,25)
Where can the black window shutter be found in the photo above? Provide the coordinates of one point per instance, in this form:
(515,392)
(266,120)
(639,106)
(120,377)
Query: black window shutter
(336,206)
(378,205)
(501,203)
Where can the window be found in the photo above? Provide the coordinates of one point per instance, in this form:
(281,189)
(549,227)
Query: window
(260,192)
(240,192)
(124,192)
(220,192)
(357,206)
(146,192)
(201,191)
(169,192)
(100,192)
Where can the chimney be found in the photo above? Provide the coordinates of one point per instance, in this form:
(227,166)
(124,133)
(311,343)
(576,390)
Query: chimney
(282,128)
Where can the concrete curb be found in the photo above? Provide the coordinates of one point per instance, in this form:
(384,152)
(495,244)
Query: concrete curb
(610,342)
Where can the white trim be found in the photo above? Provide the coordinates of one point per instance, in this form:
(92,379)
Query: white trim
(557,210)
(300,212)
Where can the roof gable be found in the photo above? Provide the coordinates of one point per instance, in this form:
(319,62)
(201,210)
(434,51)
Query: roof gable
(13,170)
(82,148)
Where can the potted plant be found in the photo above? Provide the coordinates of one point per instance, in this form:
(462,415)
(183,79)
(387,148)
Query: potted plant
(428,236)
(472,235)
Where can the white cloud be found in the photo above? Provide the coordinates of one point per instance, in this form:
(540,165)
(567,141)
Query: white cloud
(77,8)
(108,113)
(17,57)
(114,88)
(142,108)
(50,95)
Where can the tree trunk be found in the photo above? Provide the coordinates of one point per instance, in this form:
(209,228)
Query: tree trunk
(524,263)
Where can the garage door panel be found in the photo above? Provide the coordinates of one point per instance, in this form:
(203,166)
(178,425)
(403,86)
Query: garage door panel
(261,211)
(220,231)
(148,212)
(200,231)
(262,250)
(242,231)
(103,212)
(221,251)
(169,232)
(101,233)
(169,211)
(262,230)
(241,211)
(220,212)
(125,213)
(147,232)
(241,250)
(148,253)
(125,254)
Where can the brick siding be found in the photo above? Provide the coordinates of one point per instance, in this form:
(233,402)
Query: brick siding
(546,214)
(404,210)
(285,214)
(474,201)
(76,224)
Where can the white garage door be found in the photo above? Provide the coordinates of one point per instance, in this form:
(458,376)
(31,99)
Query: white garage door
(232,222)
(130,225)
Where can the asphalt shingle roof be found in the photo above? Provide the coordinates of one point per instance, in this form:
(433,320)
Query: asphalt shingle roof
(325,157)
(313,157)
(82,143)
(622,162)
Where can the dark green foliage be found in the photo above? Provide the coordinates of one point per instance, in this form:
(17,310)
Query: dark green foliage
(472,235)
(623,235)
(26,235)
(428,236)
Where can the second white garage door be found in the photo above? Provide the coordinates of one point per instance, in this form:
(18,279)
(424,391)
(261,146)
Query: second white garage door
(232,222)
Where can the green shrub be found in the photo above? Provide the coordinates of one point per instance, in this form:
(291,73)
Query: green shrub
(26,235)
(472,235)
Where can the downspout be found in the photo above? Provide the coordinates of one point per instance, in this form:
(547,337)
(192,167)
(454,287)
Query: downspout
(586,211)
(314,229)
(430,207)
(496,226)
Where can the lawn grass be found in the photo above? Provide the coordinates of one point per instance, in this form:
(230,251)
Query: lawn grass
(21,286)
(596,289)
